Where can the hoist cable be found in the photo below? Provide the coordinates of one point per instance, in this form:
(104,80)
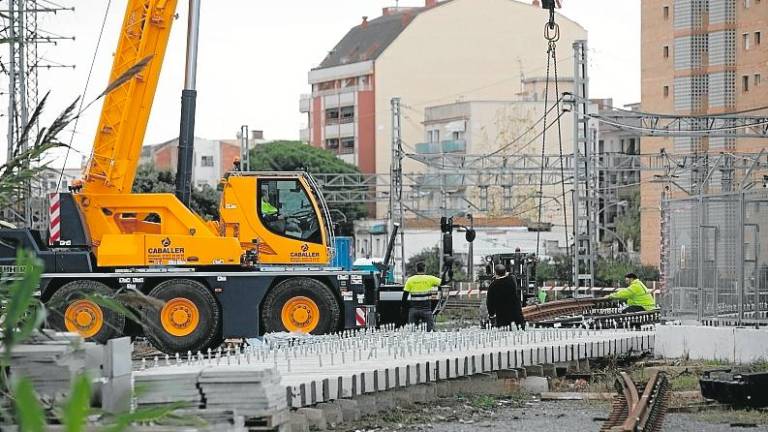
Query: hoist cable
(543,147)
(562,162)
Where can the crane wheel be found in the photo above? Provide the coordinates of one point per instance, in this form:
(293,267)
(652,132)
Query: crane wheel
(301,305)
(72,311)
(190,319)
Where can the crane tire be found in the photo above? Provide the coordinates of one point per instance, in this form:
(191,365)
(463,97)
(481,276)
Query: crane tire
(190,319)
(301,305)
(72,311)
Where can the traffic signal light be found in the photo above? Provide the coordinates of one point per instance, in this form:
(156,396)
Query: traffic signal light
(446,224)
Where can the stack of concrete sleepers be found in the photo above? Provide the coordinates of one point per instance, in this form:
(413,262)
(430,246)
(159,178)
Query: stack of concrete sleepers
(50,364)
(169,384)
(253,391)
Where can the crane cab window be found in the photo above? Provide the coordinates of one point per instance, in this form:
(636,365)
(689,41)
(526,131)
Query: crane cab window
(286,210)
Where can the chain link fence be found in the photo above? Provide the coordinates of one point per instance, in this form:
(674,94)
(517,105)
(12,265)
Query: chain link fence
(715,258)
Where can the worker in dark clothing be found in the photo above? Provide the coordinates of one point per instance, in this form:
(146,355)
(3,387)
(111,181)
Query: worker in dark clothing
(417,295)
(503,300)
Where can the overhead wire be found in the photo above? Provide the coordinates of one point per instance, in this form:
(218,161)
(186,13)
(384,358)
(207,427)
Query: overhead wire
(85,90)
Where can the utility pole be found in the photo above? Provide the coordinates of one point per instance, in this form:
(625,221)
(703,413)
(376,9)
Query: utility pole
(471,258)
(396,208)
(23,36)
(245,149)
(585,202)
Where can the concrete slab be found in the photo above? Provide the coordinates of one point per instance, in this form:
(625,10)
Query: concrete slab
(548,370)
(350,410)
(402,398)
(117,357)
(534,371)
(535,385)
(298,423)
(367,404)
(735,345)
(315,418)
(332,412)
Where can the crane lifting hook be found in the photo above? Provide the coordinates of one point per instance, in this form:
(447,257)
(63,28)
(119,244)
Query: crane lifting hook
(551,30)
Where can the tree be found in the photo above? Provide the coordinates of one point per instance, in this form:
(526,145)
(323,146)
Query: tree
(205,200)
(559,269)
(297,156)
(628,224)
(612,272)
(431,259)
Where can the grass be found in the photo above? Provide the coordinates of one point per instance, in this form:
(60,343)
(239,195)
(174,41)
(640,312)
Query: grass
(734,416)
(685,382)
(484,402)
(395,416)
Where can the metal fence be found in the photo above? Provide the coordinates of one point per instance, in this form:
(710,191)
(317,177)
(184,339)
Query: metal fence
(715,258)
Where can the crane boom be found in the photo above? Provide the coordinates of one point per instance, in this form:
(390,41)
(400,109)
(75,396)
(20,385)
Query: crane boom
(124,116)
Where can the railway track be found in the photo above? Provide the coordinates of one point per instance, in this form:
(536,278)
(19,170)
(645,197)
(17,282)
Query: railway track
(548,311)
(593,313)
(604,318)
(633,411)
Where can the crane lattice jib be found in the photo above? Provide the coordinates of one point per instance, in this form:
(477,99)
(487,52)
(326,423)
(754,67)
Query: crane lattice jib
(124,116)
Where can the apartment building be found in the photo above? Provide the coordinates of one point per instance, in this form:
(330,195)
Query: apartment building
(698,57)
(427,56)
(212,158)
(480,127)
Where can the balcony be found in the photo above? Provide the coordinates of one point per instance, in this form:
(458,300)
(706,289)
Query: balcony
(450,146)
(304,103)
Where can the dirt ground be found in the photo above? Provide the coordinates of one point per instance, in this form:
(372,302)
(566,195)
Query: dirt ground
(482,413)
(525,412)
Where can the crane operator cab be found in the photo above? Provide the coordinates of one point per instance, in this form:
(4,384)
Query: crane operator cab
(292,214)
(289,223)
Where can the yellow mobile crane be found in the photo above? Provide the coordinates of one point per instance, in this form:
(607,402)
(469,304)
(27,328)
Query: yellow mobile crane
(260,267)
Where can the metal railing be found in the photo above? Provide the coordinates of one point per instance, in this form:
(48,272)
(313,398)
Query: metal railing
(715,258)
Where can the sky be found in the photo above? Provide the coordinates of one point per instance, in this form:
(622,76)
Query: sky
(255,55)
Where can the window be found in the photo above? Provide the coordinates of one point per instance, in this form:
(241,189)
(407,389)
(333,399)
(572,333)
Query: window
(666,91)
(348,145)
(206,161)
(286,210)
(666,51)
(746,3)
(745,41)
(758,38)
(331,115)
(758,78)
(347,114)
(457,136)
(433,136)
(745,83)
(666,12)
(332,143)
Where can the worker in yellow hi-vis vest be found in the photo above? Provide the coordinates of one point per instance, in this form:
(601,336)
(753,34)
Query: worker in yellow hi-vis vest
(636,295)
(416,297)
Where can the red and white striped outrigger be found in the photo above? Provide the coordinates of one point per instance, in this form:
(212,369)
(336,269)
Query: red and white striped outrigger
(54,213)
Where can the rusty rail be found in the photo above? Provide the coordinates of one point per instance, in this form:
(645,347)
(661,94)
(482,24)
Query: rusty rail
(603,320)
(632,412)
(541,312)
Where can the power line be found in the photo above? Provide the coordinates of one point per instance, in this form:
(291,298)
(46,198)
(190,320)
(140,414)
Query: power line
(85,90)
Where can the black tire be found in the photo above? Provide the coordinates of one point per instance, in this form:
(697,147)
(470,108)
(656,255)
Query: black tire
(204,335)
(283,292)
(113,322)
